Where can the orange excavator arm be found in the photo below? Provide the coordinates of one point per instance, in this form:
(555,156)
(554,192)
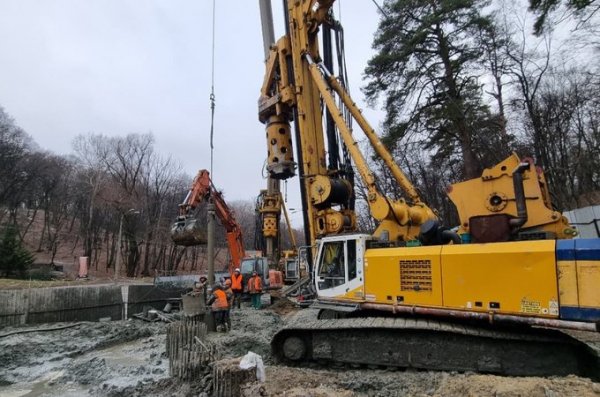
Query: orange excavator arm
(186,230)
(200,191)
(233,229)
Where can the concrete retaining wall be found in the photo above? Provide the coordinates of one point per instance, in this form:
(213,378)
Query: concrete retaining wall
(80,303)
(149,295)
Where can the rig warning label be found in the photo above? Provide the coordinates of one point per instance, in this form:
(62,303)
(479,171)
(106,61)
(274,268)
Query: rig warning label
(528,306)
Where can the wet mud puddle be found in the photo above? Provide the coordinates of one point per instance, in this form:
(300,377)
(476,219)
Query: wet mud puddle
(121,365)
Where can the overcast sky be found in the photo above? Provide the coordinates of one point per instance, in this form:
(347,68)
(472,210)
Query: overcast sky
(71,67)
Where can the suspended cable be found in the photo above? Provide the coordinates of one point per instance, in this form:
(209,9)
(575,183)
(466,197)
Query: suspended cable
(212,93)
(380,9)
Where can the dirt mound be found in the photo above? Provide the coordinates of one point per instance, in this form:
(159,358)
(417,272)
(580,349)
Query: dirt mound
(285,381)
(251,330)
(283,306)
(164,387)
(488,385)
(93,370)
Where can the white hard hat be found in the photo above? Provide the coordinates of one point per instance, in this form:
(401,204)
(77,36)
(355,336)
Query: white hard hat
(237,269)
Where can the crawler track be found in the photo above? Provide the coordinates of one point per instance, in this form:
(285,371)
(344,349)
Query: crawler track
(434,345)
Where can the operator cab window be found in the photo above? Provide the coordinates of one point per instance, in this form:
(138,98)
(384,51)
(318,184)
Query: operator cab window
(332,267)
(248,266)
(351,249)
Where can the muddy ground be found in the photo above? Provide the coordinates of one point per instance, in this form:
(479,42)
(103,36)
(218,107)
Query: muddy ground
(127,358)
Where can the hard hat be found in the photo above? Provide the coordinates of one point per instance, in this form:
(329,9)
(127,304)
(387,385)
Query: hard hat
(254,273)
(237,269)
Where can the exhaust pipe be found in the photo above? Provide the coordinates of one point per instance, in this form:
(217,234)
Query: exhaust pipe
(431,233)
(449,235)
(491,317)
(520,201)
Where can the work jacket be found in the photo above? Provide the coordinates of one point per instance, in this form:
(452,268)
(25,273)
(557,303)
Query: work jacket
(236,282)
(255,285)
(199,289)
(219,300)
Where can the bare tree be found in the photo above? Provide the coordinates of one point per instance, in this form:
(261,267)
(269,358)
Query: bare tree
(529,64)
(92,180)
(163,184)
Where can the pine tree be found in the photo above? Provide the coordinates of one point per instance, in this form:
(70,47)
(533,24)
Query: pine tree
(14,258)
(582,10)
(426,68)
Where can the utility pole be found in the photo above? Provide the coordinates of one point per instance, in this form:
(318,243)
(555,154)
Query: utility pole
(211,243)
(118,259)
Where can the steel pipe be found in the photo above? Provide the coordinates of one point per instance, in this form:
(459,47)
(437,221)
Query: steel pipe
(491,317)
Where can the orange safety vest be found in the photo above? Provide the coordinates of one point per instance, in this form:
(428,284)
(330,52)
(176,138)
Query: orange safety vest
(255,285)
(236,282)
(220,302)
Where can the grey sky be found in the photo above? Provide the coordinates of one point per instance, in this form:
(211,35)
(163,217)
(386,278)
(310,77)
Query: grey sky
(121,66)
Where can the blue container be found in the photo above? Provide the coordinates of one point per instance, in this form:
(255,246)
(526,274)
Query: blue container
(465,238)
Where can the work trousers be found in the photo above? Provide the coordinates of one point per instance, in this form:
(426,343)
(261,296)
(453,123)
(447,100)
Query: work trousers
(221,318)
(227,320)
(256,300)
(237,299)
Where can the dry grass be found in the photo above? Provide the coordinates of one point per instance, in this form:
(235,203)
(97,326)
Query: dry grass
(9,283)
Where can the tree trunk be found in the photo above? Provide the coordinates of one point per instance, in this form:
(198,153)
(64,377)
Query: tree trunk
(43,235)
(456,102)
(146,269)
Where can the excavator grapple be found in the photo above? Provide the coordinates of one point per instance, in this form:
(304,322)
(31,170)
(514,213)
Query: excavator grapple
(188,232)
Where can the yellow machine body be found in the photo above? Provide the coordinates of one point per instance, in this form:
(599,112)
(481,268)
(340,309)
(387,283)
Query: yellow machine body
(510,278)
(578,265)
(579,283)
(496,195)
(556,279)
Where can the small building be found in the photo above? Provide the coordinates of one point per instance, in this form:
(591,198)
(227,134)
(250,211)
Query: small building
(586,220)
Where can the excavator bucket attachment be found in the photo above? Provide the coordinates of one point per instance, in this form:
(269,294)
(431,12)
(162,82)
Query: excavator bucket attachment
(188,232)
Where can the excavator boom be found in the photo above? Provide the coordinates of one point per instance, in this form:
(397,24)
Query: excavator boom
(187,231)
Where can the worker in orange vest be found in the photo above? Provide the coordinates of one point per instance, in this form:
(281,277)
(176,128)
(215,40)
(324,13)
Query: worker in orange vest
(237,286)
(255,290)
(219,306)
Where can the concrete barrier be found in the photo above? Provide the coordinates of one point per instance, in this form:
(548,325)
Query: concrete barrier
(80,303)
